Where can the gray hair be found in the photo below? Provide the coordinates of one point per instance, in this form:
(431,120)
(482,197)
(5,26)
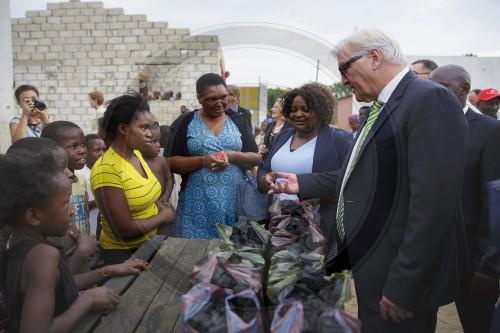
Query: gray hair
(364,40)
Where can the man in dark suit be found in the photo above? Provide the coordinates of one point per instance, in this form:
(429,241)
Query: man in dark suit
(398,219)
(401,229)
(479,293)
(233,100)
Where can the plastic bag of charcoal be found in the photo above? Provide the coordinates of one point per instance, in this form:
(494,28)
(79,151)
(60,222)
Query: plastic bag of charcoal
(220,272)
(295,222)
(202,309)
(293,273)
(209,308)
(312,316)
(251,237)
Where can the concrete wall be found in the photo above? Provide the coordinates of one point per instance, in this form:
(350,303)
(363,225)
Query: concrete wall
(75,47)
(6,75)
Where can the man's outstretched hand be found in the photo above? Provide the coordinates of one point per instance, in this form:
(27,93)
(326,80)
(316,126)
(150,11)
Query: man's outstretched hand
(389,310)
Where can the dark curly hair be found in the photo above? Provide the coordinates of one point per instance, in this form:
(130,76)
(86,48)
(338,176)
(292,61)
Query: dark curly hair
(318,98)
(26,180)
(122,110)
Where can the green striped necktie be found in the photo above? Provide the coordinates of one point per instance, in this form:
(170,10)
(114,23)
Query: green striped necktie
(374,112)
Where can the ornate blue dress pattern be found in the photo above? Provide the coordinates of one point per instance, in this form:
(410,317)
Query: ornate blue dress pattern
(209,197)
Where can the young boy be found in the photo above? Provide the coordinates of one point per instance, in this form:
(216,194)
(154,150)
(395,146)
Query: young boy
(77,246)
(160,168)
(40,292)
(95,148)
(70,136)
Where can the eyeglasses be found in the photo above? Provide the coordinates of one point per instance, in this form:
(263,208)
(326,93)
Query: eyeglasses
(421,73)
(213,101)
(345,66)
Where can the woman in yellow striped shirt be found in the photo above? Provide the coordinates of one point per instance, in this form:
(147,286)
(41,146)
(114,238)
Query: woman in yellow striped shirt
(125,189)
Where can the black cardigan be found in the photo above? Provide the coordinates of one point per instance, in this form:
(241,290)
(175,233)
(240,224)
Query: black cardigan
(178,143)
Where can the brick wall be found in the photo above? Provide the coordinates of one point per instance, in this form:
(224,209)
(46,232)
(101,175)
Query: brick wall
(75,47)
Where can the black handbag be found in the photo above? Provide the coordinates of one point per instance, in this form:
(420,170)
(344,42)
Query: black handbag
(251,204)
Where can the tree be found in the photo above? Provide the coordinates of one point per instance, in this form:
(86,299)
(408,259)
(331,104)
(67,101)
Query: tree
(272,95)
(340,91)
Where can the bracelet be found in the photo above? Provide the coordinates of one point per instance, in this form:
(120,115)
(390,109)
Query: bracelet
(108,273)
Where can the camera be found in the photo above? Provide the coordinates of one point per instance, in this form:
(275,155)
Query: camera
(39,104)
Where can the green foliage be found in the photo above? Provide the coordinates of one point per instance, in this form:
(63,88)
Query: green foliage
(470,55)
(340,91)
(272,95)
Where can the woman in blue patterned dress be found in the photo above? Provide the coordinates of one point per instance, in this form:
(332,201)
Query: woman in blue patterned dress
(209,178)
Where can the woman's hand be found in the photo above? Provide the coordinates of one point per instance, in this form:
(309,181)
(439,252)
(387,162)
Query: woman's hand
(263,150)
(265,182)
(28,107)
(165,211)
(217,161)
(42,115)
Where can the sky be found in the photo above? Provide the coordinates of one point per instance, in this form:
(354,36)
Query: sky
(424,27)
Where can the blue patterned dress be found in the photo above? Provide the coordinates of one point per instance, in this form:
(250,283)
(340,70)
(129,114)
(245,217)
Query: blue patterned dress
(209,197)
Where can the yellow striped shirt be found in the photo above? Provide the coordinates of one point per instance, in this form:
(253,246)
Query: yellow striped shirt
(141,193)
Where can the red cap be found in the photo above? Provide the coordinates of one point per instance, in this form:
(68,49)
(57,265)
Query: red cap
(487,94)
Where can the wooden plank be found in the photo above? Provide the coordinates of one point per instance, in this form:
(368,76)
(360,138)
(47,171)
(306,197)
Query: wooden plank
(146,253)
(136,300)
(121,283)
(162,315)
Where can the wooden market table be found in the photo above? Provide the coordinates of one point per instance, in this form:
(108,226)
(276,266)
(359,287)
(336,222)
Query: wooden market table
(150,301)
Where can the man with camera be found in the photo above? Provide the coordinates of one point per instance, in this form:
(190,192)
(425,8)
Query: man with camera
(33,118)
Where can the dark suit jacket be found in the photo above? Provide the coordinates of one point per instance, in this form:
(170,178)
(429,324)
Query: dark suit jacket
(331,148)
(402,219)
(482,166)
(247,115)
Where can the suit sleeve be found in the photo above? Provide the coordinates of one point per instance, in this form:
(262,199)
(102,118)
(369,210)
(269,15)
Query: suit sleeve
(435,135)
(315,185)
(490,170)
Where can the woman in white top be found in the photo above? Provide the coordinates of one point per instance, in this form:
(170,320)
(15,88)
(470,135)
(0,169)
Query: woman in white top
(34,116)
(279,124)
(310,146)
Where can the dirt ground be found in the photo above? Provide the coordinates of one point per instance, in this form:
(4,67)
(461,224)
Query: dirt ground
(447,321)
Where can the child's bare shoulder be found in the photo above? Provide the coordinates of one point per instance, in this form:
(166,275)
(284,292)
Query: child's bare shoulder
(161,161)
(41,260)
(43,251)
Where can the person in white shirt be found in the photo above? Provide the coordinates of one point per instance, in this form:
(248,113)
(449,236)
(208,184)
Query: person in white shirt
(96,101)
(96,148)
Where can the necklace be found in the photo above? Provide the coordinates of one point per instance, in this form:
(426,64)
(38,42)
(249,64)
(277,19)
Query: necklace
(35,129)
(277,128)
